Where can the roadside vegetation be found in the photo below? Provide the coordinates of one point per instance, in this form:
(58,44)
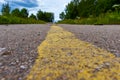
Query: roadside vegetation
(17,16)
(91,12)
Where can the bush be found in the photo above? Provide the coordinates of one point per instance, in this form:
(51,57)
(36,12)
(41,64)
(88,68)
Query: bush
(17,20)
(108,18)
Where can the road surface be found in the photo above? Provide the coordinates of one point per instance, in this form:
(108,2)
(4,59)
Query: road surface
(62,55)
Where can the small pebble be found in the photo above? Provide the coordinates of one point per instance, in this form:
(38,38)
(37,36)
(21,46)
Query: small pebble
(69,53)
(3,79)
(107,64)
(0,64)
(2,51)
(23,67)
(20,78)
(117,54)
(13,63)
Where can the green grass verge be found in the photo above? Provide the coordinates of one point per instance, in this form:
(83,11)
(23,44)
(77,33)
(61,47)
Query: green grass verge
(108,18)
(17,20)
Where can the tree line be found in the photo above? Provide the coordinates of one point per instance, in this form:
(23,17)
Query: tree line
(24,13)
(77,9)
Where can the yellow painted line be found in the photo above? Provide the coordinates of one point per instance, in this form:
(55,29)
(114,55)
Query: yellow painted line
(64,57)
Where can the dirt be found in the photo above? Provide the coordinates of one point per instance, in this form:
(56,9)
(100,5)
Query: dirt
(20,43)
(103,36)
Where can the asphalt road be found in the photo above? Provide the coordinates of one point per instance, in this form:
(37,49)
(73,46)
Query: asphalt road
(21,42)
(103,36)
(64,57)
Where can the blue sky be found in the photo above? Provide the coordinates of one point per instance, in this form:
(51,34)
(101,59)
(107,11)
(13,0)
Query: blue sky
(55,6)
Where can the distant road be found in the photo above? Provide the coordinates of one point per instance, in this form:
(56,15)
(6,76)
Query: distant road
(22,41)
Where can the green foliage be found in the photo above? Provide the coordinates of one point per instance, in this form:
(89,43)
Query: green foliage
(40,15)
(45,16)
(62,15)
(5,9)
(24,13)
(16,12)
(71,10)
(32,16)
(91,12)
(108,18)
(86,8)
(49,17)
(116,7)
(18,20)
(21,16)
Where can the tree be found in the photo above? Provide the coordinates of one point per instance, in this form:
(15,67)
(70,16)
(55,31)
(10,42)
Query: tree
(87,8)
(116,7)
(62,15)
(45,16)
(32,16)
(71,11)
(16,12)
(24,13)
(40,15)
(5,9)
(49,17)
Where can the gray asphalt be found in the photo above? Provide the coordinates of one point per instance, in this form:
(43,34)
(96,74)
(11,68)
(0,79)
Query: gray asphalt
(20,42)
(103,36)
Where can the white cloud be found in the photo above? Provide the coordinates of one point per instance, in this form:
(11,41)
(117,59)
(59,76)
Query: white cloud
(55,6)
(2,1)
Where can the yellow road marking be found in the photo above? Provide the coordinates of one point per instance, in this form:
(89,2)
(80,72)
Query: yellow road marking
(64,57)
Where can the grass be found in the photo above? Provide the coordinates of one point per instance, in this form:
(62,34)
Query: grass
(107,18)
(17,20)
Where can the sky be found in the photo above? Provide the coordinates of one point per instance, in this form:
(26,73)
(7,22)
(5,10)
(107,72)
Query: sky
(55,6)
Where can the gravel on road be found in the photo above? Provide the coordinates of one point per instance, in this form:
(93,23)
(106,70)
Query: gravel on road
(20,44)
(61,56)
(103,36)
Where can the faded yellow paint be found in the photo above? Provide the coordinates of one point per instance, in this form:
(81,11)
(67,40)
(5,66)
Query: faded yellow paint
(64,57)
